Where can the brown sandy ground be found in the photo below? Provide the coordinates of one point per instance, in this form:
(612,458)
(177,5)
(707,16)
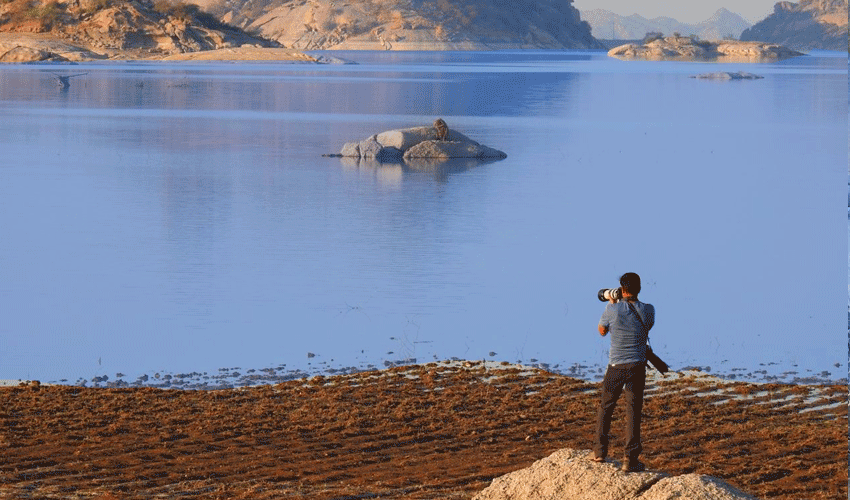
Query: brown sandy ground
(416,432)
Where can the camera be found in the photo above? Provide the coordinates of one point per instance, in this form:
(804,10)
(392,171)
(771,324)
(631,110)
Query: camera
(607,294)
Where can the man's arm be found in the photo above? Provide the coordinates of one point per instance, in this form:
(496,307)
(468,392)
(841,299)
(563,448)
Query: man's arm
(605,321)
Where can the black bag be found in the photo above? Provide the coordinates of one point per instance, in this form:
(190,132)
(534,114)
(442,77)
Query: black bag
(657,362)
(651,357)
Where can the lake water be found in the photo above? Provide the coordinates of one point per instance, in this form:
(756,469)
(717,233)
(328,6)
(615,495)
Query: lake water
(180,217)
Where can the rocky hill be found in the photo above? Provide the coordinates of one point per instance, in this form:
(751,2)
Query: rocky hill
(810,24)
(682,48)
(608,25)
(91,29)
(410,24)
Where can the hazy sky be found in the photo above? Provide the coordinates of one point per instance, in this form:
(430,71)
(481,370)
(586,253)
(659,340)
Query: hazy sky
(686,12)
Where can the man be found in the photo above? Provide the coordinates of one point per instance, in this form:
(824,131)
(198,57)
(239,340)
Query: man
(628,320)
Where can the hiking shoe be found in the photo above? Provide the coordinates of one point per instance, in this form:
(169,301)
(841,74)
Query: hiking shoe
(632,466)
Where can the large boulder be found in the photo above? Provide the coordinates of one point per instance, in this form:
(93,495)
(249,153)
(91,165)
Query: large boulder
(29,54)
(693,487)
(37,47)
(443,150)
(418,143)
(572,474)
(568,474)
(406,138)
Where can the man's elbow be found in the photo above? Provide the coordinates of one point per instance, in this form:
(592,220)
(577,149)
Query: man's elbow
(603,330)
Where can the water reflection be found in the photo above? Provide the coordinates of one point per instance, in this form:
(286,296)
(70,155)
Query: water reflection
(496,89)
(391,174)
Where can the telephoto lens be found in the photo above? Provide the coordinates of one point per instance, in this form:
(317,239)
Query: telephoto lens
(607,294)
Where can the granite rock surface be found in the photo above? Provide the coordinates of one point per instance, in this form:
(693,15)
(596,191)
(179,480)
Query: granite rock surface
(410,25)
(805,25)
(418,143)
(688,49)
(570,473)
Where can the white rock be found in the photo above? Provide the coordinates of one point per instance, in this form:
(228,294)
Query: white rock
(693,487)
(571,474)
(568,474)
(404,139)
(351,149)
(370,147)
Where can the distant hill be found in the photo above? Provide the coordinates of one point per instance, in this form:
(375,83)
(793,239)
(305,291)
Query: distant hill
(810,24)
(410,24)
(608,25)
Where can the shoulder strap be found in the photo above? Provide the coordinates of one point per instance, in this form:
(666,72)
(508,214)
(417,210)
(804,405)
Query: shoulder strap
(632,307)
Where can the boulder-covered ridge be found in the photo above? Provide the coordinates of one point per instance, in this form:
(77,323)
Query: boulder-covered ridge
(113,29)
(410,24)
(569,473)
(687,48)
(417,143)
(809,24)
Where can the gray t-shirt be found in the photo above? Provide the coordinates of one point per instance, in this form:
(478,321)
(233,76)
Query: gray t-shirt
(628,339)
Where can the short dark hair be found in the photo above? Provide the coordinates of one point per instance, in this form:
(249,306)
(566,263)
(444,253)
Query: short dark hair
(630,283)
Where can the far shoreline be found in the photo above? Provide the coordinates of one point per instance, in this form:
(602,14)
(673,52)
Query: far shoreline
(238,377)
(28,48)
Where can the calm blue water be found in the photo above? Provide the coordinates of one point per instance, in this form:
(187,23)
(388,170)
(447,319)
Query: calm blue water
(180,217)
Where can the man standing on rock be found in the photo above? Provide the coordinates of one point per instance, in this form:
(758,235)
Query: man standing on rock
(629,321)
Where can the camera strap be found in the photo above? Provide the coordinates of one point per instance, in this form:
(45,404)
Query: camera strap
(632,307)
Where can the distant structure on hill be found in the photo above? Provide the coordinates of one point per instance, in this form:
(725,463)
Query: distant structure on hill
(810,24)
(610,26)
(410,24)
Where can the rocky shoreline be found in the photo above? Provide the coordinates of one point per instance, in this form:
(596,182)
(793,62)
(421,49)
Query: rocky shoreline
(242,377)
(41,47)
(427,431)
(47,47)
(681,48)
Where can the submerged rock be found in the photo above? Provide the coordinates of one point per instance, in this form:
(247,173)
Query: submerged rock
(725,75)
(418,143)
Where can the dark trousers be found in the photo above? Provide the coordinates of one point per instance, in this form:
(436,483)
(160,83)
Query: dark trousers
(630,377)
